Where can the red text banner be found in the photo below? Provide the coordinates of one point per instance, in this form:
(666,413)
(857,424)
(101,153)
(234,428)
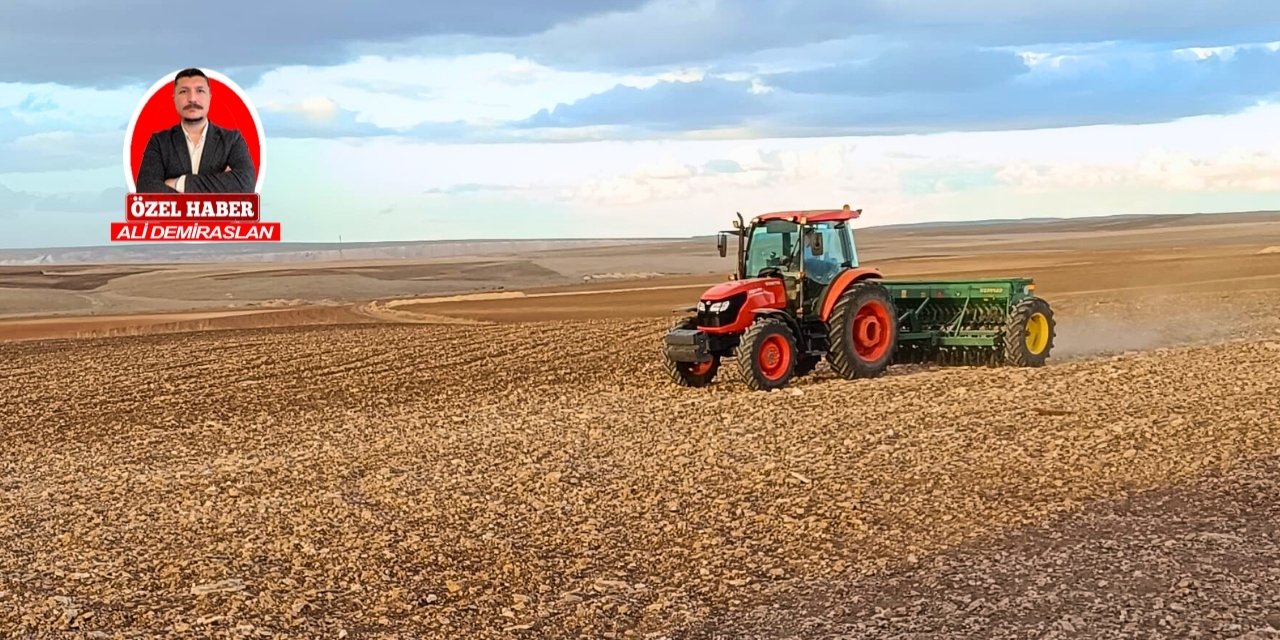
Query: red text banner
(195,231)
(209,207)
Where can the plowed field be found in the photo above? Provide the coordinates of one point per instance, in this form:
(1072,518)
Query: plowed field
(544,480)
(346,459)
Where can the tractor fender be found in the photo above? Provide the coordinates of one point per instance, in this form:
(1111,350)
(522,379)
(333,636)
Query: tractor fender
(842,282)
(782,315)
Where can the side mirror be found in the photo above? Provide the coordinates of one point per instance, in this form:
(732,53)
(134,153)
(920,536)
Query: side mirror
(817,244)
(722,244)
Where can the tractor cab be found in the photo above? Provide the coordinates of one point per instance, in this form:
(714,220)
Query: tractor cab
(805,249)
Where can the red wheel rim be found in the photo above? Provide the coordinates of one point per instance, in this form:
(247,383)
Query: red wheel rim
(774,357)
(871,331)
(700,368)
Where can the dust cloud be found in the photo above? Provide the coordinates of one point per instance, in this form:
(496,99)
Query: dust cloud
(1114,331)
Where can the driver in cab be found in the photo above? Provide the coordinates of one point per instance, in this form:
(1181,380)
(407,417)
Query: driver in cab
(819,265)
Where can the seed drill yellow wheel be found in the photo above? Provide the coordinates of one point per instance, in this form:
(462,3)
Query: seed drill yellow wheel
(1029,331)
(1037,333)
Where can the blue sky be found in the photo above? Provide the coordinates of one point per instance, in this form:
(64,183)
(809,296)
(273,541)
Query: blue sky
(435,120)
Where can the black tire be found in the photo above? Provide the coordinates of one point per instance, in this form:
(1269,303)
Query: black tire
(1024,333)
(849,356)
(767,354)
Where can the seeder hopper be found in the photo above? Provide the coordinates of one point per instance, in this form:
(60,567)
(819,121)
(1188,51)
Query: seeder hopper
(799,296)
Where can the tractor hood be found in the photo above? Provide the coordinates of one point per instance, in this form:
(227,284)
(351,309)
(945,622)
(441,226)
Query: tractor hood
(726,290)
(730,306)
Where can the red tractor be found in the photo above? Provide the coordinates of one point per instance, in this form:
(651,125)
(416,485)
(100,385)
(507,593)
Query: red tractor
(798,296)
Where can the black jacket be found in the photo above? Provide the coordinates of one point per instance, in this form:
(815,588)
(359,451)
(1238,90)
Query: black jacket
(166,157)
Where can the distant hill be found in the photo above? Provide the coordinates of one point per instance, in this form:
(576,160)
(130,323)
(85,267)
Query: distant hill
(296,251)
(1095,223)
(437,249)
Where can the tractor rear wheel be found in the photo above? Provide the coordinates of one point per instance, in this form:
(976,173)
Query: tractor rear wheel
(862,331)
(767,354)
(1029,331)
(690,374)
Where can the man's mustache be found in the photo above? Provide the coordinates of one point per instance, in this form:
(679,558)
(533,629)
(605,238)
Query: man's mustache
(193,106)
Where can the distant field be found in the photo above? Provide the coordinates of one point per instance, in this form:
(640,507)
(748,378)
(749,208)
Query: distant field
(1062,255)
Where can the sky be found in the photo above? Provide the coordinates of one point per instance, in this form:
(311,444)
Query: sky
(426,120)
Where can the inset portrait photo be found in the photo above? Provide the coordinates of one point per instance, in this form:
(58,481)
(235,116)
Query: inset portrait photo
(194,132)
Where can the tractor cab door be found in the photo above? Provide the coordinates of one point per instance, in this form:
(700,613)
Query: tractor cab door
(827,251)
(774,248)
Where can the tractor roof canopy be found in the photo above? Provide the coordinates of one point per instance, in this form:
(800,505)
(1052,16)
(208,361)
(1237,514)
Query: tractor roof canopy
(811,215)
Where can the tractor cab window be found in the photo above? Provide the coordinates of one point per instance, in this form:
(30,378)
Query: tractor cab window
(773,244)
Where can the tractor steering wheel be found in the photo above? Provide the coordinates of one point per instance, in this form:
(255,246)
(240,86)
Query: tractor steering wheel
(775,272)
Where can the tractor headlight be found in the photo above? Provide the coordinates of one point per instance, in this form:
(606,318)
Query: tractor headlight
(719,313)
(715,307)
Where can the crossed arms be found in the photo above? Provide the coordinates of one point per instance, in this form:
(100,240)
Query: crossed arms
(237,175)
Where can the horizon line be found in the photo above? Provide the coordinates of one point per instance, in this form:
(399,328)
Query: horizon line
(266,247)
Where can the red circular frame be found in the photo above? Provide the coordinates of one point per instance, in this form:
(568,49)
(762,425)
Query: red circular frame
(229,108)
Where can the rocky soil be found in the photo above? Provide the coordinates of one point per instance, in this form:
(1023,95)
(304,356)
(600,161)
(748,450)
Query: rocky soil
(544,480)
(1201,560)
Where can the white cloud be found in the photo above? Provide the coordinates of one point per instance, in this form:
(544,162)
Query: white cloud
(753,168)
(60,151)
(315,109)
(481,89)
(680,187)
(1046,61)
(759,87)
(77,108)
(666,169)
(678,75)
(1204,53)
(1236,170)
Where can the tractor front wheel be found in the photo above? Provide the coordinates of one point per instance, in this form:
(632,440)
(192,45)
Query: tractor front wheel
(863,331)
(767,354)
(690,374)
(1028,333)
